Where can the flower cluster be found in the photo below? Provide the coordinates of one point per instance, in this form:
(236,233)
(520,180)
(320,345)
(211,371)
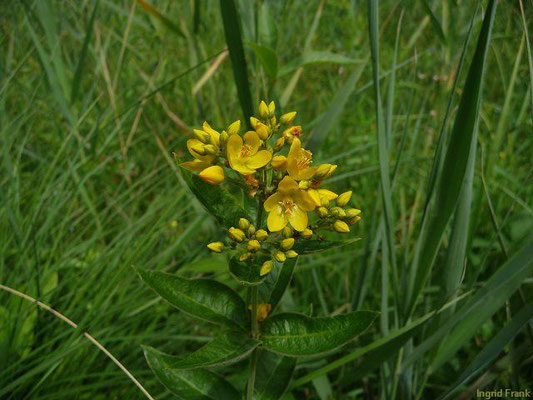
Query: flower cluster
(270,163)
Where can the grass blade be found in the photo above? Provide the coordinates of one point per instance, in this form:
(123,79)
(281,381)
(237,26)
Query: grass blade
(465,322)
(231,21)
(450,178)
(83,54)
(493,348)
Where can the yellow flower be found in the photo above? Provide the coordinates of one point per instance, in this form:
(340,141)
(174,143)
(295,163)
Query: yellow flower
(202,160)
(244,157)
(213,175)
(289,204)
(279,163)
(214,135)
(291,133)
(322,197)
(298,162)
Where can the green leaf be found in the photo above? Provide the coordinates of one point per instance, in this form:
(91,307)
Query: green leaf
(231,21)
(316,57)
(312,246)
(267,57)
(298,335)
(468,319)
(434,21)
(227,348)
(493,348)
(274,373)
(277,282)
(197,384)
(450,178)
(218,202)
(247,272)
(336,107)
(202,298)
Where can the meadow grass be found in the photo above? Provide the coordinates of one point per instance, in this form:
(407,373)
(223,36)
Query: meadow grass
(98,97)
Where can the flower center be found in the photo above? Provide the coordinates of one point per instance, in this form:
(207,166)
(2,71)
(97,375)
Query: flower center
(304,159)
(246,150)
(287,205)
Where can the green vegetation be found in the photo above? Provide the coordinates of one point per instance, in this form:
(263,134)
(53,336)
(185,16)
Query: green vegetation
(426,108)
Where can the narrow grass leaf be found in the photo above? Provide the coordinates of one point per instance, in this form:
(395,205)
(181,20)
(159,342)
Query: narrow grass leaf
(231,22)
(451,177)
(489,299)
(317,57)
(267,57)
(334,111)
(492,349)
(434,21)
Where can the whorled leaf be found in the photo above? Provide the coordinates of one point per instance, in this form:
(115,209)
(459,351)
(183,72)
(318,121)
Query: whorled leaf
(217,201)
(312,246)
(227,348)
(202,298)
(196,384)
(274,373)
(299,335)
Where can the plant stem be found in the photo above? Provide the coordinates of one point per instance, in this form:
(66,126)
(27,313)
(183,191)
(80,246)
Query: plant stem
(255,354)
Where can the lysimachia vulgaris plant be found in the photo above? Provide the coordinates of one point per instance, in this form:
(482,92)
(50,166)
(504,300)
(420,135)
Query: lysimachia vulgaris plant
(264,188)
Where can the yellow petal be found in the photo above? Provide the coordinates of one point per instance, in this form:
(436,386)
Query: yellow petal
(307,173)
(215,136)
(279,162)
(233,148)
(292,158)
(327,194)
(272,201)
(304,200)
(298,219)
(260,159)
(252,140)
(277,219)
(315,196)
(195,165)
(287,185)
(213,175)
(239,165)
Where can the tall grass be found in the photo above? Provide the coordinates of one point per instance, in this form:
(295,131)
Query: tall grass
(95,96)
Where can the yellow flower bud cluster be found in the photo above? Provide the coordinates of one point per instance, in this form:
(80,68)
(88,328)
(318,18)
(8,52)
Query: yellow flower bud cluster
(338,217)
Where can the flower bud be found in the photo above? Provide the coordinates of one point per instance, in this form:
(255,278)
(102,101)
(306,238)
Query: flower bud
(352,212)
(322,170)
(292,132)
(337,212)
(287,118)
(273,121)
(236,234)
(354,220)
(234,128)
(198,148)
(261,235)
(201,135)
(279,163)
(223,137)
(344,198)
(271,108)
(322,212)
(210,149)
(216,247)
(291,254)
(331,170)
(263,110)
(266,268)
(304,185)
(244,256)
(262,130)
(212,175)
(287,232)
(254,121)
(341,226)
(244,223)
(251,230)
(280,256)
(286,244)
(253,246)
(307,233)
(280,142)
(263,310)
